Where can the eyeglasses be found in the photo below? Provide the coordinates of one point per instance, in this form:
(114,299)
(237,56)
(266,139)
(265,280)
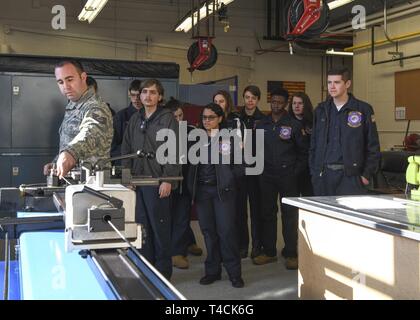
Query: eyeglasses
(209,118)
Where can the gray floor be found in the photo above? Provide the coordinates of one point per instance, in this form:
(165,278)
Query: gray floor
(272,281)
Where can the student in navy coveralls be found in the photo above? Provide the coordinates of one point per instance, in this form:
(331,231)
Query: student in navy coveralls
(285,157)
(301,109)
(344,152)
(248,185)
(122,117)
(183,239)
(213,188)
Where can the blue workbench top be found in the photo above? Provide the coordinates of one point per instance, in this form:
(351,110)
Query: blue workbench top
(48,272)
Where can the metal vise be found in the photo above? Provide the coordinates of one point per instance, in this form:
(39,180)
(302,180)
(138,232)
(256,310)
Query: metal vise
(88,210)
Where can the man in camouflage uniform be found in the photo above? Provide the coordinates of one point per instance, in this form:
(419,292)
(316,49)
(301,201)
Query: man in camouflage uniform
(86,131)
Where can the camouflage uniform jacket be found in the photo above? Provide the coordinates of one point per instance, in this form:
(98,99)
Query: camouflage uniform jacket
(86,131)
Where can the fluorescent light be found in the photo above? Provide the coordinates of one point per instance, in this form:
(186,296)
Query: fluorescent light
(338,3)
(186,23)
(91,10)
(338,53)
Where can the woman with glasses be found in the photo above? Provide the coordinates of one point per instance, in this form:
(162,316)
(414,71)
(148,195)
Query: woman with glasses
(213,189)
(302,110)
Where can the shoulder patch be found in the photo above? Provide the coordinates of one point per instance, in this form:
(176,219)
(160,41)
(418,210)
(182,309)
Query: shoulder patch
(373,118)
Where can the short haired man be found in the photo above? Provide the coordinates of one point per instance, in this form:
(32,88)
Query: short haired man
(123,116)
(248,185)
(153,202)
(86,130)
(344,152)
(285,157)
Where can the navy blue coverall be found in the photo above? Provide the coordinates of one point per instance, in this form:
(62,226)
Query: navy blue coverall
(213,188)
(344,147)
(285,157)
(248,188)
(182,234)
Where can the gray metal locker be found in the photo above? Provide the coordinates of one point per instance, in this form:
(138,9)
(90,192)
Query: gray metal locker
(5,169)
(171,88)
(114,91)
(200,94)
(27,169)
(5,111)
(37,112)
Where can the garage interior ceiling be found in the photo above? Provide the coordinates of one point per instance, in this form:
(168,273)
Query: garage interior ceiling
(339,34)
(343,14)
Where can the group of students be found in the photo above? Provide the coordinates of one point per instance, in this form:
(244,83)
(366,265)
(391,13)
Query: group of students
(331,151)
(220,191)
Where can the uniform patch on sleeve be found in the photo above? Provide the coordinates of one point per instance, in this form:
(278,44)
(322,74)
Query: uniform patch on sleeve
(354,119)
(285,132)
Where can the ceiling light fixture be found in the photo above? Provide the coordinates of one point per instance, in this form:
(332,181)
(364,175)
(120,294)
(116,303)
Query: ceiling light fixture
(338,3)
(338,53)
(186,23)
(91,10)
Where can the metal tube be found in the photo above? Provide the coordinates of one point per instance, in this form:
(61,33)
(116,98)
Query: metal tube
(268,12)
(207,17)
(277,19)
(198,18)
(399,59)
(214,19)
(372,45)
(382,42)
(192,19)
(386,23)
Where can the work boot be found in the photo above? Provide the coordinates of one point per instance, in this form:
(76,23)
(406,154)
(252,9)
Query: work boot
(209,279)
(180,262)
(195,250)
(263,259)
(237,282)
(255,252)
(291,263)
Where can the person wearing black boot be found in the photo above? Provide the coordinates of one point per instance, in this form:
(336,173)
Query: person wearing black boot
(182,235)
(302,111)
(213,190)
(153,202)
(285,157)
(248,188)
